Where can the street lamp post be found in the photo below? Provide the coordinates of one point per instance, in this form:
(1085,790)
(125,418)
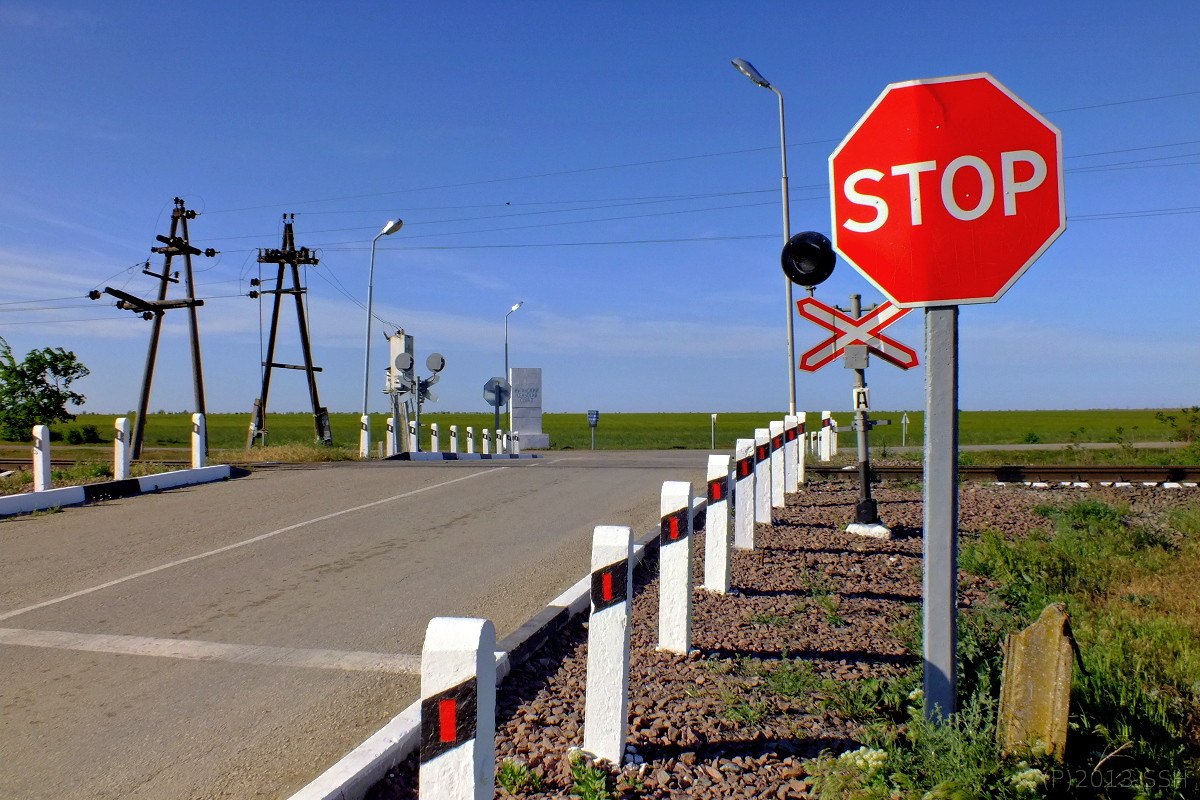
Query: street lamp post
(747,69)
(508,400)
(364,436)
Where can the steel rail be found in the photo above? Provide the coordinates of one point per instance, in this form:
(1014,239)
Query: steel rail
(1036,473)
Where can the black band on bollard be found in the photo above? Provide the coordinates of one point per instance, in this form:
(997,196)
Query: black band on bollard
(448,719)
(674,527)
(744,467)
(777,442)
(718,489)
(609,584)
(762,452)
(791,433)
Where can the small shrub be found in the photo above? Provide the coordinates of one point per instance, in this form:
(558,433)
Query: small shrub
(516,777)
(589,781)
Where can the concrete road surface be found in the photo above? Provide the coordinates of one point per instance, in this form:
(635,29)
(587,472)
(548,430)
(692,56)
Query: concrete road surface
(233,640)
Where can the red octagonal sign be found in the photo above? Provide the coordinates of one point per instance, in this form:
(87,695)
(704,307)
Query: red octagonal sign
(947,190)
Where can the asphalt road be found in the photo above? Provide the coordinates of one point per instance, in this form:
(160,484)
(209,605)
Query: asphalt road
(233,640)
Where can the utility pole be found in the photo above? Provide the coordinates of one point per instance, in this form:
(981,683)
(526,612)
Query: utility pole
(287,256)
(174,244)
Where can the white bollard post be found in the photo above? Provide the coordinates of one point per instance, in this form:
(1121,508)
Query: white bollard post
(199,441)
(743,518)
(470,439)
(777,469)
(453,438)
(500,441)
(606,700)
(762,475)
(458,710)
(487,442)
(801,449)
(41,458)
(364,436)
(121,451)
(675,568)
(791,452)
(435,439)
(717,525)
(514,443)
(825,437)
(412,435)
(392,446)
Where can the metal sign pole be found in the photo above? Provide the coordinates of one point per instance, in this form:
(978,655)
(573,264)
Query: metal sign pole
(940,586)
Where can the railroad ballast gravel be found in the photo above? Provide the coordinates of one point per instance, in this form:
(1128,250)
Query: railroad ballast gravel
(703,725)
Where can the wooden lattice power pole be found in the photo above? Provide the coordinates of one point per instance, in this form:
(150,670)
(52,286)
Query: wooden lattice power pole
(174,244)
(287,257)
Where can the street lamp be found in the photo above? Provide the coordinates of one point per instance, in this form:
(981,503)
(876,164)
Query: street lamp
(507,401)
(364,436)
(747,69)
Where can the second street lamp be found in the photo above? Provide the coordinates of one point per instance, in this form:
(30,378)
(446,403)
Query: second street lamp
(508,400)
(364,436)
(747,69)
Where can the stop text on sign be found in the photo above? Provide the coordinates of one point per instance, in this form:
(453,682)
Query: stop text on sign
(946,191)
(966,205)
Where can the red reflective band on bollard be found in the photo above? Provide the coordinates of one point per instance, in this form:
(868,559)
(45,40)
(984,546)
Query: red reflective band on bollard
(777,442)
(447,720)
(762,452)
(606,592)
(717,490)
(790,434)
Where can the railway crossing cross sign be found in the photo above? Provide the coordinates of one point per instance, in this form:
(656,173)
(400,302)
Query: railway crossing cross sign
(848,330)
(947,190)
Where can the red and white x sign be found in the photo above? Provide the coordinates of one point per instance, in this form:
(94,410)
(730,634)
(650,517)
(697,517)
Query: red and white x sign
(847,331)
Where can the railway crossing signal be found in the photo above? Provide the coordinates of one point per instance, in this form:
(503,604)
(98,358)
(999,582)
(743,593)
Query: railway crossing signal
(850,330)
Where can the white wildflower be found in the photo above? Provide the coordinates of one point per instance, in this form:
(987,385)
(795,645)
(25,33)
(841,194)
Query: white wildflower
(864,759)
(1029,778)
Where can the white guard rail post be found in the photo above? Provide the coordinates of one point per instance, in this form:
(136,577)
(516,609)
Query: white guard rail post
(470,439)
(777,466)
(675,568)
(393,447)
(762,475)
(514,443)
(487,442)
(364,436)
(743,492)
(791,452)
(458,710)
(41,458)
(199,441)
(606,701)
(121,451)
(435,439)
(801,448)
(825,437)
(453,438)
(412,435)
(717,525)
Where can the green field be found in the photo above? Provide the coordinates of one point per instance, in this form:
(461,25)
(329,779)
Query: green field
(667,431)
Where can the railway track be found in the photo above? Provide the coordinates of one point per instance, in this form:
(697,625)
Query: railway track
(1039,473)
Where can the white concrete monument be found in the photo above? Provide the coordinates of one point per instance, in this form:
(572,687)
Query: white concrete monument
(525,403)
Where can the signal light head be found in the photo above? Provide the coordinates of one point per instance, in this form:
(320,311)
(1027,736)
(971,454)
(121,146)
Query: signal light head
(808,258)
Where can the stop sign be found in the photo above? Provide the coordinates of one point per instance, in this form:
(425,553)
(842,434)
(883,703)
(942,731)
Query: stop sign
(947,190)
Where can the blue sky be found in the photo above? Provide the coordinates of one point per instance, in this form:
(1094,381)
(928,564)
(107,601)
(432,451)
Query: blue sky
(602,162)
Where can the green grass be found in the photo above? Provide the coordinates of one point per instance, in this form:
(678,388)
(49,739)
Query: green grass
(667,431)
